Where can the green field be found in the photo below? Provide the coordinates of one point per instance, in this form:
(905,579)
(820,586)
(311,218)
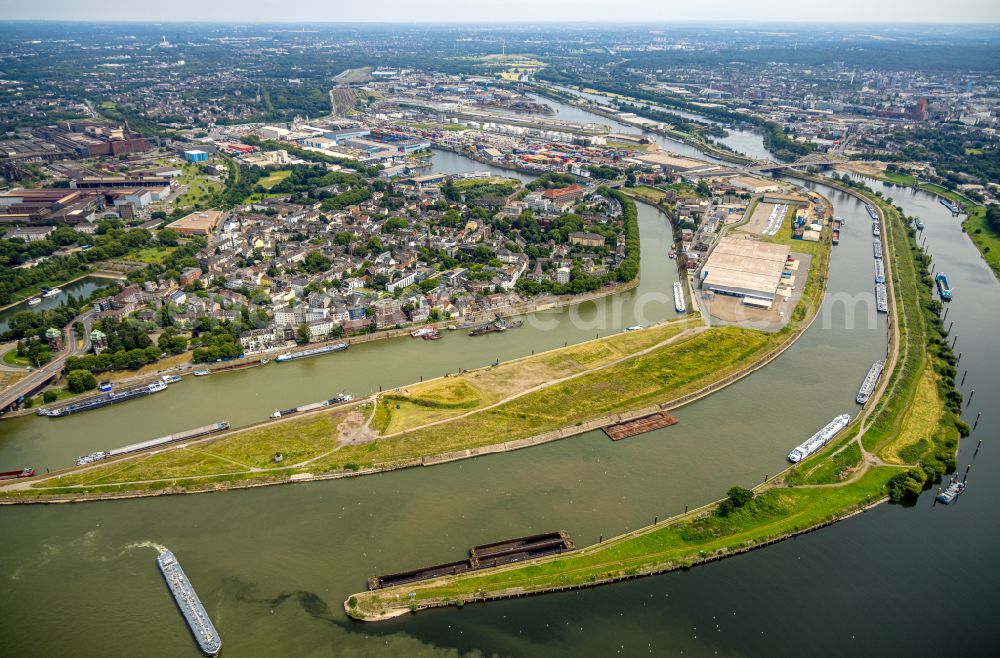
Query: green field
(11,358)
(274,178)
(151,255)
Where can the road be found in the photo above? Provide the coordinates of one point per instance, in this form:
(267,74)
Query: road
(51,369)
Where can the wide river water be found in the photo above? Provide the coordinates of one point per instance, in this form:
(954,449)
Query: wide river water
(273,565)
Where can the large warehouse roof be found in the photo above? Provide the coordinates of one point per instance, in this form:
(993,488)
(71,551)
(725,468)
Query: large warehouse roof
(745,267)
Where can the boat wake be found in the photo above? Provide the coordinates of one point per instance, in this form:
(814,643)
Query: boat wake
(159,548)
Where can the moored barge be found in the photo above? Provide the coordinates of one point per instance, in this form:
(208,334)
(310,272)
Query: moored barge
(484,556)
(103,400)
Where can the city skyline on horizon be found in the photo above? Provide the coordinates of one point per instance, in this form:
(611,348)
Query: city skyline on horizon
(982,12)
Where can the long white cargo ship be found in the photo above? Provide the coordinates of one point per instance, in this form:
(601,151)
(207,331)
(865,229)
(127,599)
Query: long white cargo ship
(316,351)
(820,438)
(343,397)
(153,443)
(877,244)
(868,385)
(879,271)
(197,619)
(881,298)
(679,304)
(103,400)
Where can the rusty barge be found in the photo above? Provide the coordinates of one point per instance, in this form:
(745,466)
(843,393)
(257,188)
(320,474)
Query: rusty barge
(628,428)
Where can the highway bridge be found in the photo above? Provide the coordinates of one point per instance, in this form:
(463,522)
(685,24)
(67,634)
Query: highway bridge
(767,166)
(37,379)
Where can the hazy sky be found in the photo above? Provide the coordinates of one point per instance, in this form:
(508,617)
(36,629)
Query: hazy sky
(979,11)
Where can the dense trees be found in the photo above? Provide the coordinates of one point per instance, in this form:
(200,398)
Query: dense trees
(78,381)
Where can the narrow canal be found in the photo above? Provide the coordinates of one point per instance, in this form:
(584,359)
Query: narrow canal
(273,565)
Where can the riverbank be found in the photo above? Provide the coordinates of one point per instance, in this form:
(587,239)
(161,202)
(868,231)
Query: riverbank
(776,513)
(691,140)
(974,224)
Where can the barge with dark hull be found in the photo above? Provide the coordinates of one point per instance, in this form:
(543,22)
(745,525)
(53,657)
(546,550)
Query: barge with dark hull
(103,400)
(485,556)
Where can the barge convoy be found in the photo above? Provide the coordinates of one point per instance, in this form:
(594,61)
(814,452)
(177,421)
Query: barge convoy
(103,400)
(316,351)
(343,397)
(868,385)
(484,557)
(153,443)
(197,619)
(820,438)
(679,304)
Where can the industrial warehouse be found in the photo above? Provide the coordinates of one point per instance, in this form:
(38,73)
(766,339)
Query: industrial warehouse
(746,268)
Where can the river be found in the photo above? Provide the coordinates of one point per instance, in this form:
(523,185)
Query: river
(273,565)
(747,142)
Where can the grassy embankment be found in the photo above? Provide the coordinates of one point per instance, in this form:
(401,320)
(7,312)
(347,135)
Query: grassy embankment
(777,510)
